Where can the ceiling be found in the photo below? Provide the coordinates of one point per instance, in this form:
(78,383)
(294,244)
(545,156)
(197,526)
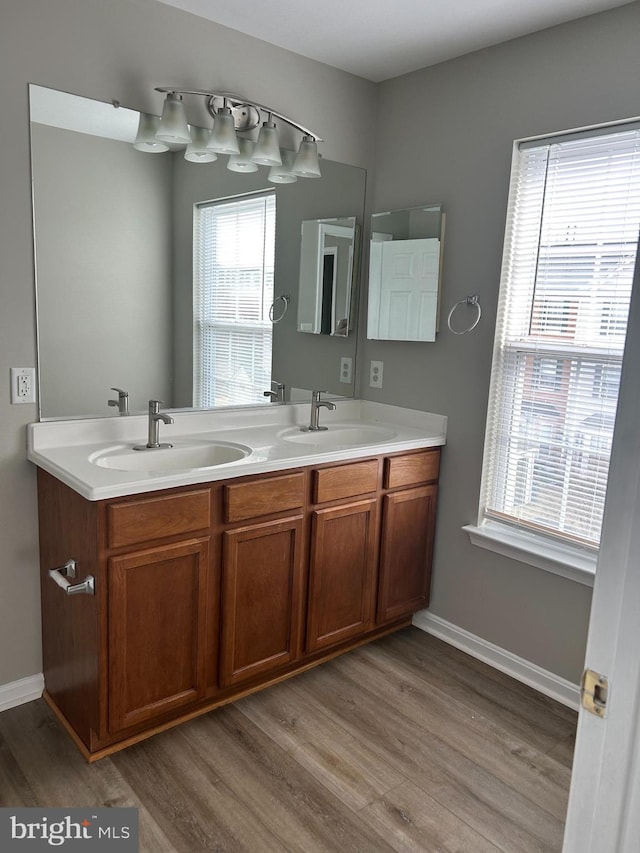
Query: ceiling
(379,39)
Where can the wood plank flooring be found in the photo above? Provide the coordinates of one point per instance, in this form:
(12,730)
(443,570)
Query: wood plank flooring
(403,745)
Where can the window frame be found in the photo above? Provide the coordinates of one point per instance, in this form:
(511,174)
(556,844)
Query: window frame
(256,332)
(574,560)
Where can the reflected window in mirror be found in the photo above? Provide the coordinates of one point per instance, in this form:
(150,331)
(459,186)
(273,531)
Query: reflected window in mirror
(405,266)
(234,242)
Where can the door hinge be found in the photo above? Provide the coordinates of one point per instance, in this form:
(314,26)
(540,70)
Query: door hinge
(594,692)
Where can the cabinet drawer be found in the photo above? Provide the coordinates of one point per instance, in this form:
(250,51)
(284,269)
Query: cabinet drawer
(263,497)
(411,469)
(345,481)
(156,518)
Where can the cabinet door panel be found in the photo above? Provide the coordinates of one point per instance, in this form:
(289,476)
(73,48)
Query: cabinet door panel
(157,612)
(261,595)
(406,553)
(343,567)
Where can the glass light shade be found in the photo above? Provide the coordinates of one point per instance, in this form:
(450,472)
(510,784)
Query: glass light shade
(306,164)
(223,139)
(282,174)
(197,151)
(146,139)
(242,162)
(267,150)
(173,126)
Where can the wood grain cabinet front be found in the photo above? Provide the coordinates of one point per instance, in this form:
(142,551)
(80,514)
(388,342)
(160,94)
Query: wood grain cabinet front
(206,593)
(406,551)
(262,583)
(342,578)
(157,642)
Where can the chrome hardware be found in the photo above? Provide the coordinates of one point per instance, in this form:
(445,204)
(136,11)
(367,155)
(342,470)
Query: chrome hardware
(63,573)
(122,402)
(155,416)
(316,405)
(594,692)
(277,395)
(285,298)
(471,302)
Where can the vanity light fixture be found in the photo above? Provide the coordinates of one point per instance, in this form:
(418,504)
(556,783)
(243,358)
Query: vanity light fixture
(146,139)
(242,161)
(282,174)
(197,150)
(234,119)
(173,126)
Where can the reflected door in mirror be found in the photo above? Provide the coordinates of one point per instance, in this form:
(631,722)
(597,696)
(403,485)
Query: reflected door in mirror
(405,264)
(403,287)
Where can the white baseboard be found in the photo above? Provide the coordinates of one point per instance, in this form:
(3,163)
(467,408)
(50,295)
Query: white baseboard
(23,690)
(522,670)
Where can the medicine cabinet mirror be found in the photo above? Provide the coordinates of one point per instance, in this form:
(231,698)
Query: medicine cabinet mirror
(405,265)
(114,245)
(327,255)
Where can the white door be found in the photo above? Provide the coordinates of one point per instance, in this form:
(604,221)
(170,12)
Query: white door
(604,803)
(409,290)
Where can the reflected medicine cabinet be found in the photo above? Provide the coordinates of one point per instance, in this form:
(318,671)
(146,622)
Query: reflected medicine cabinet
(328,253)
(405,265)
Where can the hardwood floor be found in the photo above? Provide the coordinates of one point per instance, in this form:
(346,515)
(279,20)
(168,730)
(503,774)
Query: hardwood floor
(406,744)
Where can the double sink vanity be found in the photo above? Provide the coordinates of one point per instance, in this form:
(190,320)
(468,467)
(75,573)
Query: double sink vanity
(175,580)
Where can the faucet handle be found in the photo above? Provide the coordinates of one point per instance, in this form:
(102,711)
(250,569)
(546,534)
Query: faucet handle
(154,406)
(122,402)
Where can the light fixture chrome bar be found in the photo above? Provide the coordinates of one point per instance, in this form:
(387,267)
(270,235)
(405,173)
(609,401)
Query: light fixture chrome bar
(237,101)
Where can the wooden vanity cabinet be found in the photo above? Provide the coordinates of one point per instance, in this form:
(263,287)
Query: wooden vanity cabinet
(343,555)
(262,577)
(408,527)
(207,592)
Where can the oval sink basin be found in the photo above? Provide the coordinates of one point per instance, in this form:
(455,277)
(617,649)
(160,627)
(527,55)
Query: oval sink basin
(339,436)
(181,457)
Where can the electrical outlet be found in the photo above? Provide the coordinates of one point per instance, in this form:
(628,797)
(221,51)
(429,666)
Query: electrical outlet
(23,384)
(346,367)
(375,374)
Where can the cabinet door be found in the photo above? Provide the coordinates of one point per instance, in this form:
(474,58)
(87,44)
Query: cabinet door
(261,598)
(408,522)
(343,572)
(157,612)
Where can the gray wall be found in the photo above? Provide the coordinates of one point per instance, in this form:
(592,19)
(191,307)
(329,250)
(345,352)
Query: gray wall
(103,252)
(116,50)
(465,115)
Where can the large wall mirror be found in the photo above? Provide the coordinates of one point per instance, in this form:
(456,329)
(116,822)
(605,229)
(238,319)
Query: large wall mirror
(405,266)
(120,240)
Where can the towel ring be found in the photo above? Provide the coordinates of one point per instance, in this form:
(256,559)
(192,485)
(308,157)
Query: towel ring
(285,299)
(469,300)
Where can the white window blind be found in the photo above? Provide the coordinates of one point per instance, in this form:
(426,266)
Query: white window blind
(234,242)
(570,249)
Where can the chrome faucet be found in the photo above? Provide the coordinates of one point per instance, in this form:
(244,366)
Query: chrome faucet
(316,405)
(122,402)
(155,416)
(277,393)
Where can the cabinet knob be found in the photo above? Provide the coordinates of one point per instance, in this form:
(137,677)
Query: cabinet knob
(62,574)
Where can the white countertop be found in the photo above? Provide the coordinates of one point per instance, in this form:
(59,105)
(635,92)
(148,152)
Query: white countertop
(64,448)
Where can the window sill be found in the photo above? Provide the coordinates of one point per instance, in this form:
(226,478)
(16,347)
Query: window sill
(573,563)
